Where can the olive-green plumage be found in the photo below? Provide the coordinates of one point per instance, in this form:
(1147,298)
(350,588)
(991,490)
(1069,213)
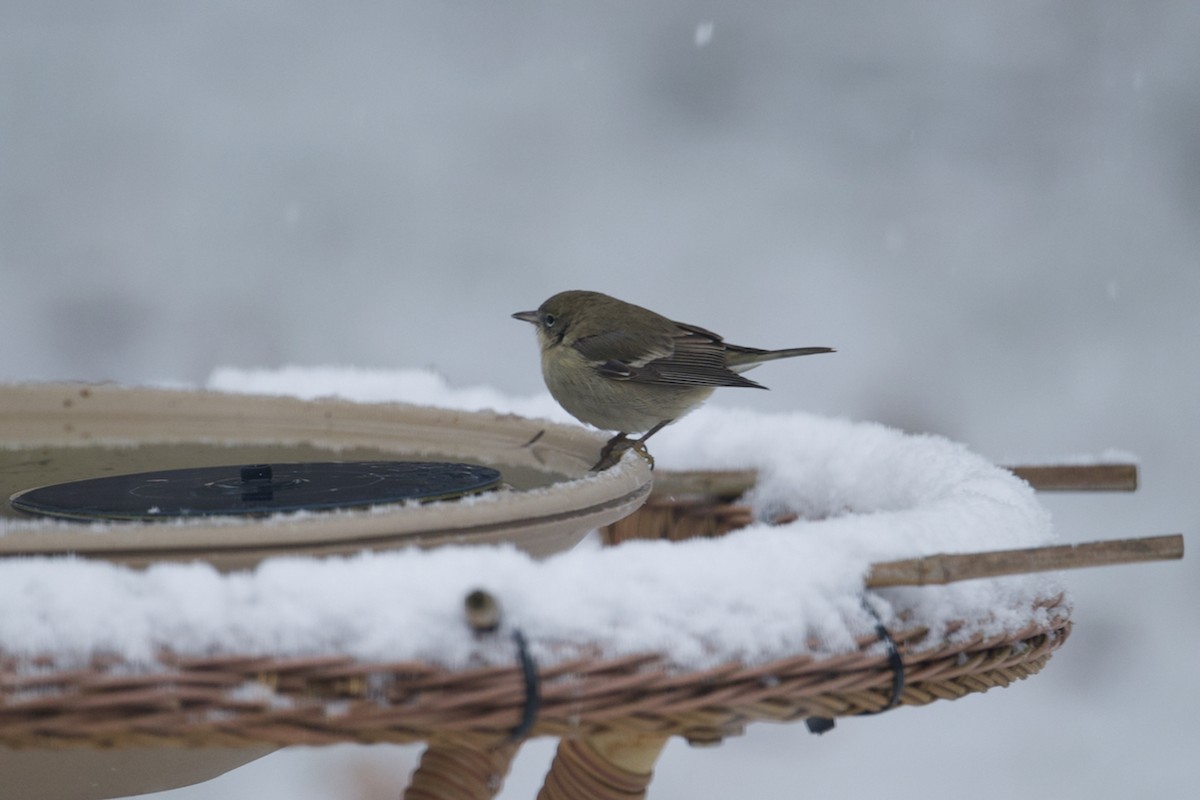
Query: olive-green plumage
(625,368)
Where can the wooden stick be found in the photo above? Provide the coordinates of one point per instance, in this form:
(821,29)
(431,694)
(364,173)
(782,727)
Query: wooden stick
(948,568)
(1080,477)
(729,484)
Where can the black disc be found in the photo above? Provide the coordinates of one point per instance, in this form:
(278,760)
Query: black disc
(255,489)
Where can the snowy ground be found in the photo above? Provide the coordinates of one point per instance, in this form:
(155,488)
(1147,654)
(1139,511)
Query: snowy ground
(989,210)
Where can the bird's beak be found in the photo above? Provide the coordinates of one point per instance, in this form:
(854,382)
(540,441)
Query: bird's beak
(527,316)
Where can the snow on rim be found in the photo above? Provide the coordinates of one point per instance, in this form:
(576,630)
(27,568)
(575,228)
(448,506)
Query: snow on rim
(864,493)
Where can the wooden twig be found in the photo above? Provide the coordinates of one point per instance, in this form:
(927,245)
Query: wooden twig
(728,484)
(948,568)
(1080,477)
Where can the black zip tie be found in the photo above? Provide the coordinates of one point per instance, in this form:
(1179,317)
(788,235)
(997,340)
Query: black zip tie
(533,688)
(483,615)
(895,662)
(819,725)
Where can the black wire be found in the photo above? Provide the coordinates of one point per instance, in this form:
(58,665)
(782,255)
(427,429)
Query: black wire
(819,725)
(895,662)
(533,688)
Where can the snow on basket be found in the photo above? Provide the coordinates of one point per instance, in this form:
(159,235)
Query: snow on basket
(645,640)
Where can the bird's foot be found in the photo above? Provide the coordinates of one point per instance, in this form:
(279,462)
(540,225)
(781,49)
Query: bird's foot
(612,451)
(639,447)
(616,446)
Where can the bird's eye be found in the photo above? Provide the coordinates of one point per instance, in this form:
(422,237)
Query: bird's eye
(548,320)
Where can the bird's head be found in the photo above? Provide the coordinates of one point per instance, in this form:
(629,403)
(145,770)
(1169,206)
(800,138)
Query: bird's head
(554,318)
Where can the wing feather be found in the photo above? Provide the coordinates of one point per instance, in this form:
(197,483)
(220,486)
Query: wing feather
(687,356)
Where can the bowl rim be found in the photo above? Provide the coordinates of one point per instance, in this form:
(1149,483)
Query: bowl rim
(109,415)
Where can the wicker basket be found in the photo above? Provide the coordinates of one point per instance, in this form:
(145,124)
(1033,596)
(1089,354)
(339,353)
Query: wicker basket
(230,701)
(613,715)
(471,716)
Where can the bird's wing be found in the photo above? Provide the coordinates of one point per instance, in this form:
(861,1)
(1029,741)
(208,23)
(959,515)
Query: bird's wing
(625,347)
(686,356)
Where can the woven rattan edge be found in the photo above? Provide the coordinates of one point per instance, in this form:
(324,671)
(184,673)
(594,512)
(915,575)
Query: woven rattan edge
(232,701)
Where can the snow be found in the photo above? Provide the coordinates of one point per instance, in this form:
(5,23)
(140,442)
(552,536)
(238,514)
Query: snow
(863,493)
(420,387)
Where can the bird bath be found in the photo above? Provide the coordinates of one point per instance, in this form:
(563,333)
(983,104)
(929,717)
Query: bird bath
(55,433)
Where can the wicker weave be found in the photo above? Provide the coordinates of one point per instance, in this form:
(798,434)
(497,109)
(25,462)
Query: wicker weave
(449,771)
(234,701)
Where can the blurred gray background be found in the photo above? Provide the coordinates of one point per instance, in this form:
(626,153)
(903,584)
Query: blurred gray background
(991,210)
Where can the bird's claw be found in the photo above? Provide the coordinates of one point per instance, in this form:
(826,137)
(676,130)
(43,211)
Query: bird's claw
(617,445)
(611,453)
(639,447)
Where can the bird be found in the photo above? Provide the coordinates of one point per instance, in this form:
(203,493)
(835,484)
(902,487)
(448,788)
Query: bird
(625,368)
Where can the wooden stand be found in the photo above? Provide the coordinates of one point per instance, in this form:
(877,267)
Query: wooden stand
(606,766)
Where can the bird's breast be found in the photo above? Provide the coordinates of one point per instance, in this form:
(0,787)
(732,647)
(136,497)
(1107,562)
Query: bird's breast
(613,404)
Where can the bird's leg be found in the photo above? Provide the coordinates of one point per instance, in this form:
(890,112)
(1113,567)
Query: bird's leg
(651,432)
(612,452)
(640,444)
(621,442)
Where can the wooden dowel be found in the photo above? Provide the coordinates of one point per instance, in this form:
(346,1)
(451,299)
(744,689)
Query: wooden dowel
(1080,477)
(948,568)
(729,484)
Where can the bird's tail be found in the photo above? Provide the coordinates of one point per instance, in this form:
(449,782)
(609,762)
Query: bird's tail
(740,359)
